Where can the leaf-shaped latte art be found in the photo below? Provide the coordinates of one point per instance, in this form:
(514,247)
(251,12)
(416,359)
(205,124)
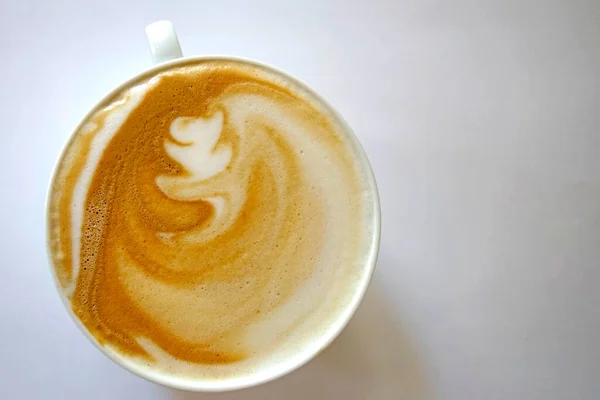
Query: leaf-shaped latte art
(195,152)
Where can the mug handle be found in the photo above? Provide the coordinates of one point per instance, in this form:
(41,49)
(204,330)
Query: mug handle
(163,41)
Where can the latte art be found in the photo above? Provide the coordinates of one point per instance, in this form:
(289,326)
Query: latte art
(208,218)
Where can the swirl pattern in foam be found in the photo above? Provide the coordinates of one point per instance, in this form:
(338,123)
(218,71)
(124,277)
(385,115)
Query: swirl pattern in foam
(208,218)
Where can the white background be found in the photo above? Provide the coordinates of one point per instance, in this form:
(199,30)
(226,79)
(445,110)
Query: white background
(482,122)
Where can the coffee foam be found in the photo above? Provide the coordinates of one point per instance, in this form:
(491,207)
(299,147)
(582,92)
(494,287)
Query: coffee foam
(209,221)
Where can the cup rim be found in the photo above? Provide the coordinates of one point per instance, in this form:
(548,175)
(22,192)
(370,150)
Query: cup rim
(335,327)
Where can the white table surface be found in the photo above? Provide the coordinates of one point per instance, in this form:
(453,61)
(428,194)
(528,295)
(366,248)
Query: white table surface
(482,122)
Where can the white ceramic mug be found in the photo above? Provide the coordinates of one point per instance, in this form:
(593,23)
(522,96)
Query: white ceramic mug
(165,49)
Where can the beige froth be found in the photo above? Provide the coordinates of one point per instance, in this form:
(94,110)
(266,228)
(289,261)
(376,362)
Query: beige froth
(209,219)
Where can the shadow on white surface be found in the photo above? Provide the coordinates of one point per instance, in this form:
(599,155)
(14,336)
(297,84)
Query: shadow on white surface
(371,359)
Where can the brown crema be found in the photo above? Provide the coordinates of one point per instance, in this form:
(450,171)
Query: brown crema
(185,252)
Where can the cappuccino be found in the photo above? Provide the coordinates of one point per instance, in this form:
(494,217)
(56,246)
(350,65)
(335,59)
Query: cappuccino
(210,220)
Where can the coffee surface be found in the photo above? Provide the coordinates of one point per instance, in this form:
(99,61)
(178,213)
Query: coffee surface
(207,216)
